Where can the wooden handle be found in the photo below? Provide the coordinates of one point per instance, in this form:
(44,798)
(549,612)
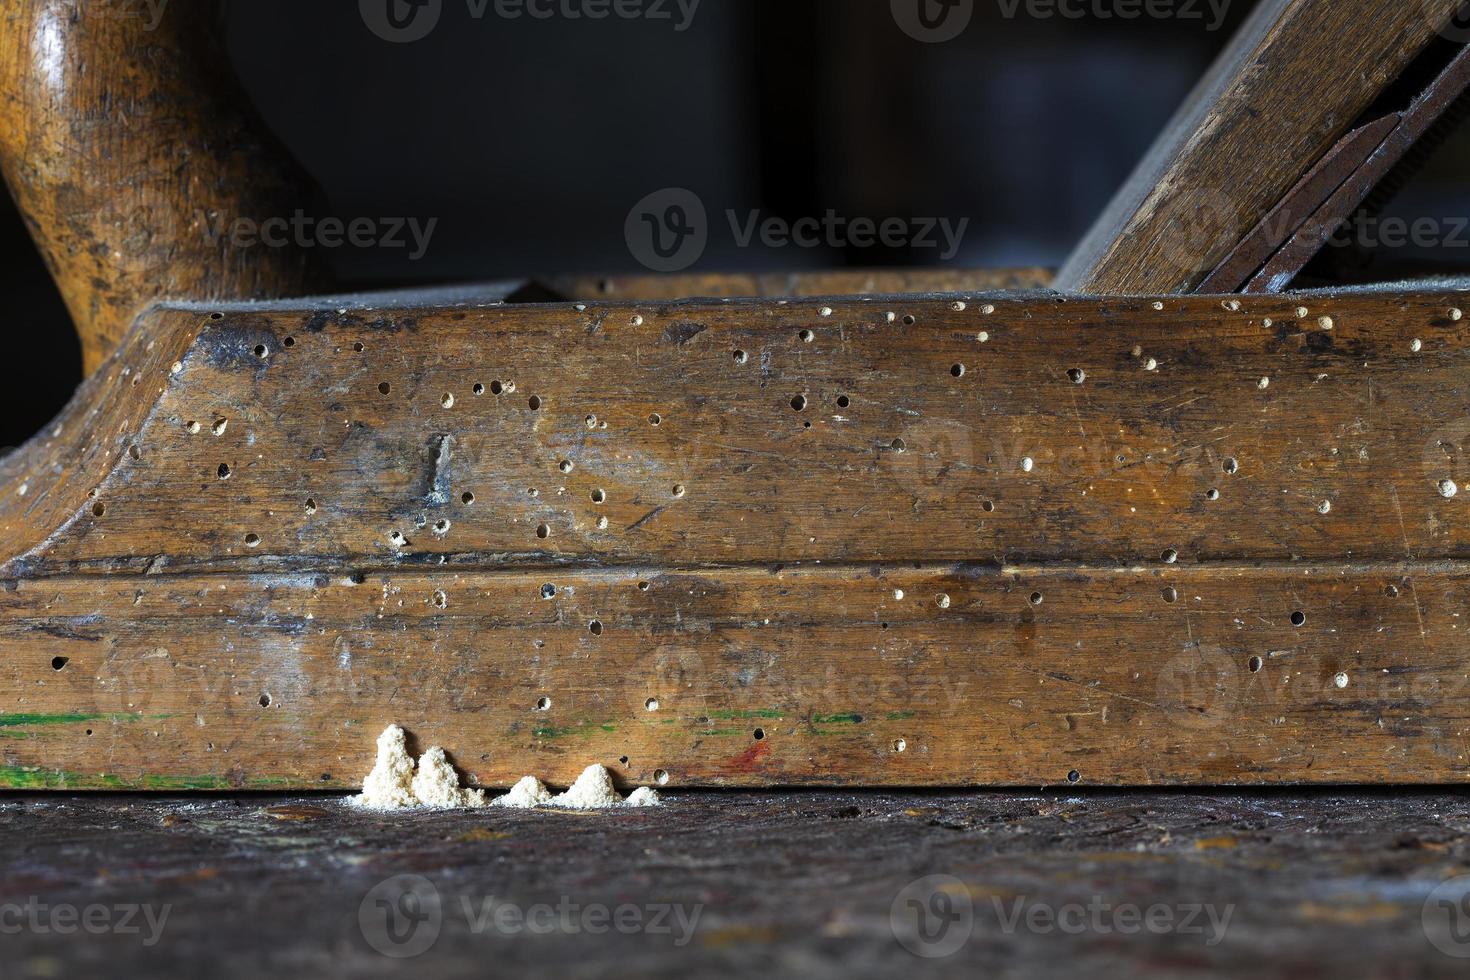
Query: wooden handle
(1288,87)
(130,152)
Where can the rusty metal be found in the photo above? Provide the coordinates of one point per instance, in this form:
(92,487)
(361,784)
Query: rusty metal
(1279,271)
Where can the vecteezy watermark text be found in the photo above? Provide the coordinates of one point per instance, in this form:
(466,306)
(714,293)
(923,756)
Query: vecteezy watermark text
(62,919)
(403,916)
(303,231)
(1101,917)
(1212,12)
(1369,231)
(669,230)
(148,12)
(937,21)
(834,231)
(935,916)
(406,21)
(567,918)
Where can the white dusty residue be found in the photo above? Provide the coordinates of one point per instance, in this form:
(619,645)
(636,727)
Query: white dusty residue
(436,784)
(525,795)
(390,785)
(644,796)
(593,790)
(398,783)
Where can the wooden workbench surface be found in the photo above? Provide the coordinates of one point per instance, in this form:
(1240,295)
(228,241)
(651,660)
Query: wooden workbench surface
(1322,885)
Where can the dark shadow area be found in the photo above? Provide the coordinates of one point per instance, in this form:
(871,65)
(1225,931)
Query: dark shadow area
(46,360)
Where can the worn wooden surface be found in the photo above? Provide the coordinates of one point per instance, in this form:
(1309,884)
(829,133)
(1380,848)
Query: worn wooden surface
(1315,188)
(1236,554)
(1421,117)
(785,285)
(131,154)
(774,885)
(1288,87)
(756,433)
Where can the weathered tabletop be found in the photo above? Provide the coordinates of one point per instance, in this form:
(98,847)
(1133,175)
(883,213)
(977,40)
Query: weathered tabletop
(813,884)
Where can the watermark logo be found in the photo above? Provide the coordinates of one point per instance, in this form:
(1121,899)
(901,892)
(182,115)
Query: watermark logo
(407,21)
(1446,459)
(1446,917)
(1452,22)
(1200,688)
(301,230)
(401,21)
(943,459)
(1203,228)
(933,459)
(668,230)
(569,918)
(1213,13)
(938,21)
(933,21)
(1100,917)
(402,916)
(1370,231)
(839,232)
(933,917)
(678,13)
(39,918)
(828,693)
(146,13)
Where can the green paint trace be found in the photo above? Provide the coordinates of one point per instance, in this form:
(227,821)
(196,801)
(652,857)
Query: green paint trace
(39,721)
(34,777)
(35,721)
(768,713)
(178,783)
(586,728)
(26,777)
(849,719)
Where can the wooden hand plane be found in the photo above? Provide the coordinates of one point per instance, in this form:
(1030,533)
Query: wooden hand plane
(848,529)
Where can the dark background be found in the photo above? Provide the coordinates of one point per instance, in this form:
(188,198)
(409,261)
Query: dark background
(530,140)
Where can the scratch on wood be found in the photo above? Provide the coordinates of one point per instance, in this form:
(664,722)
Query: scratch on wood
(651,515)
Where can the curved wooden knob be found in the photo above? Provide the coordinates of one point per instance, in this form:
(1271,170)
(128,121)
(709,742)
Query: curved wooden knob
(130,151)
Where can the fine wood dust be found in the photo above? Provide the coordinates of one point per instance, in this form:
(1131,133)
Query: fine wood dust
(397,783)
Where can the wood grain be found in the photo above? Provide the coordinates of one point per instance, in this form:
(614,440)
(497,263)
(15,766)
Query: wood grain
(1200,578)
(750,677)
(853,282)
(1288,87)
(808,884)
(672,433)
(130,153)
(1413,125)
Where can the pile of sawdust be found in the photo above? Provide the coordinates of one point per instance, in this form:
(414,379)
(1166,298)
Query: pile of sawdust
(397,783)
(525,795)
(593,790)
(436,784)
(644,796)
(390,785)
